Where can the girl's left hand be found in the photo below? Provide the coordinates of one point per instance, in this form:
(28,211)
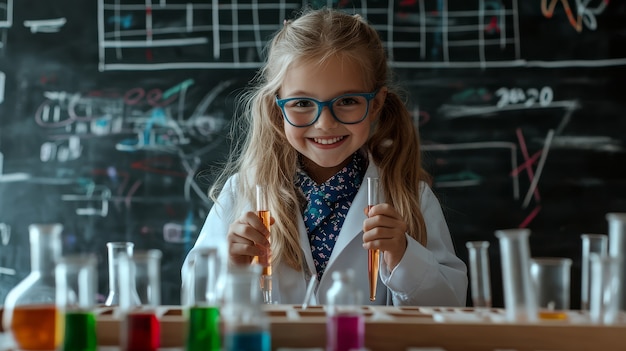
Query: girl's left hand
(384,229)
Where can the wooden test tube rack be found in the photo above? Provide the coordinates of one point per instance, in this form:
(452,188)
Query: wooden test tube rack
(391,328)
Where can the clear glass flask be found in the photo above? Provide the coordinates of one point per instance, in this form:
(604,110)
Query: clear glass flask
(202,300)
(76,286)
(551,278)
(345,324)
(246,325)
(30,311)
(480,276)
(617,248)
(114,249)
(140,275)
(591,243)
(520,300)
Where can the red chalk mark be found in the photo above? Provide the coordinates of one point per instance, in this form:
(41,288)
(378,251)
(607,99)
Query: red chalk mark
(529,170)
(492,26)
(530,217)
(152,165)
(526,164)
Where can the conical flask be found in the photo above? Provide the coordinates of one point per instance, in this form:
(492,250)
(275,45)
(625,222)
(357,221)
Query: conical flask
(31,314)
(114,250)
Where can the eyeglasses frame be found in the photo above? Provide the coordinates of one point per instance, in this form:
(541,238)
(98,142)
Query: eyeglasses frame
(329,103)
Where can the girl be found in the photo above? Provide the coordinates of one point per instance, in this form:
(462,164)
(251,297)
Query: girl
(322,118)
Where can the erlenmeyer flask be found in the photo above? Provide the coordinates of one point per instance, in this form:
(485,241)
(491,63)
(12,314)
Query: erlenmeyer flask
(114,249)
(30,307)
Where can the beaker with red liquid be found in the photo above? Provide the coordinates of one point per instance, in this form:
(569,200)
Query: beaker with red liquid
(140,275)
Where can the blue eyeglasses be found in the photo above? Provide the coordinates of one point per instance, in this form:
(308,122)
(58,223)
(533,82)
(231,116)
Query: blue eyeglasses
(347,109)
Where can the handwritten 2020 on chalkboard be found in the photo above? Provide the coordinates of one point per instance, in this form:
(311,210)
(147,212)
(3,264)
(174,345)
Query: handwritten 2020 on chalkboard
(113,115)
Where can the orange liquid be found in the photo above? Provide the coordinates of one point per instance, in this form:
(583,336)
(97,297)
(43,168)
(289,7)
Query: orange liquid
(373,259)
(266,261)
(37,327)
(552,315)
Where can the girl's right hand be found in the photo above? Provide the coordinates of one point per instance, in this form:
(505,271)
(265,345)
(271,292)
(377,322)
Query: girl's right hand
(247,237)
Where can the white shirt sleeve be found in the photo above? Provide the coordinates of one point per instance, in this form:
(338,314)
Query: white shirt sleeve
(433,275)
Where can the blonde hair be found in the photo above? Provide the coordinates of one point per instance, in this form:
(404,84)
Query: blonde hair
(265,157)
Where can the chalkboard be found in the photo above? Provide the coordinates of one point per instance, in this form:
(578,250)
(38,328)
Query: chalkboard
(115,114)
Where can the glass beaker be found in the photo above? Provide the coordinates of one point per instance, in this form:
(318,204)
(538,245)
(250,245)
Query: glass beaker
(140,275)
(246,326)
(551,277)
(202,297)
(591,243)
(480,276)
(114,249)
(76,286)
(617,248)
(30,311)
(519,294)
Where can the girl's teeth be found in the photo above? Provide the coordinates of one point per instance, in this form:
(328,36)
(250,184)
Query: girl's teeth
(327,141)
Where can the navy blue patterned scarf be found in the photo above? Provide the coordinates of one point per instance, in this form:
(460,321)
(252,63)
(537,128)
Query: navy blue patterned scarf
(327,207)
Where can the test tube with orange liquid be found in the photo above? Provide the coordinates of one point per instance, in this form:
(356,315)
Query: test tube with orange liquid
(263,211)
(373,256)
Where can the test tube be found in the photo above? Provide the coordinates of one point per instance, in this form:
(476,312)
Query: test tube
(479,273)
(140,327)
(373,256)
(76,278)
(591,243)
(519,294)
(203,331)
(263,211)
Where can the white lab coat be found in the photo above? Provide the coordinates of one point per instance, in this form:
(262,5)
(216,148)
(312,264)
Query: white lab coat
(426,276)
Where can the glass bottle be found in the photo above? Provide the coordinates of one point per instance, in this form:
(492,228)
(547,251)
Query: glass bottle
(76,280)
(345,325)
(246,326)
(30,312)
